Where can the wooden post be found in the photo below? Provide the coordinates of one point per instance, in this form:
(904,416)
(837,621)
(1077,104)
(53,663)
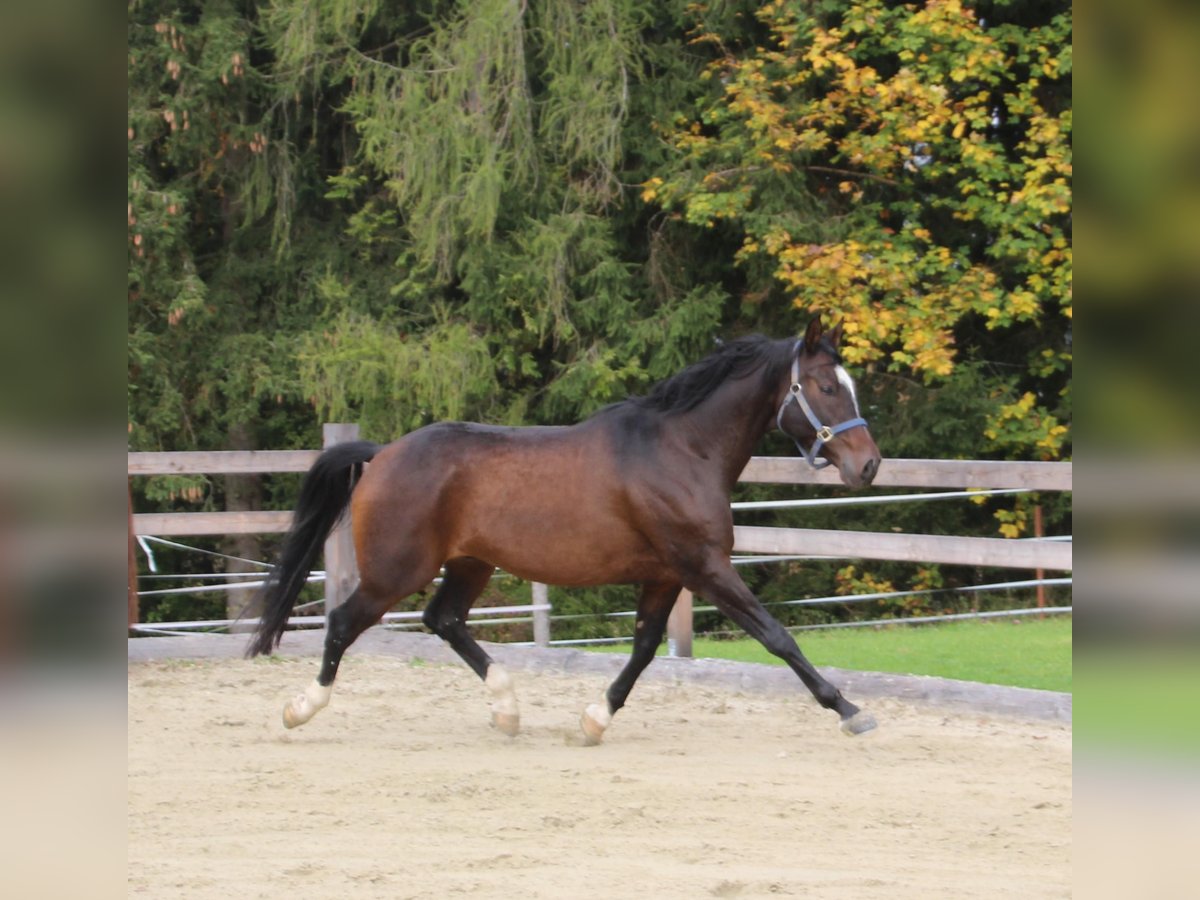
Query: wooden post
(541,617)
(1040,573)
(341,571)
(133,569)
(679,626)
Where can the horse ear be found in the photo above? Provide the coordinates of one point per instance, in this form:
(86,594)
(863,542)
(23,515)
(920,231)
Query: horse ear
(835,334)
(812,335)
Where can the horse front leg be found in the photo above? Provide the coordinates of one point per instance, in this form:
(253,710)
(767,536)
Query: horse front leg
(721,584)
(654,607)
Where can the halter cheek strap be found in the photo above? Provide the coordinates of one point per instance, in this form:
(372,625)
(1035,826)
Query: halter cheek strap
(824,433)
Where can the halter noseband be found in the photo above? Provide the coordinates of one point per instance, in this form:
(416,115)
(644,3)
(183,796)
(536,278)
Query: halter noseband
(824,432)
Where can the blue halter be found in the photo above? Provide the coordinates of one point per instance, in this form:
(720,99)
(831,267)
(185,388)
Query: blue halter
(825,433)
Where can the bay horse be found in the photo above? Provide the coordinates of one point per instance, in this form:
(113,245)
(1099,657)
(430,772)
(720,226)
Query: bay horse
(636,494)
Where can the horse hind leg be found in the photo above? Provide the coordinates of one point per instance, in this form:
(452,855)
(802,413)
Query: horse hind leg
(446,616)
(345,624)
(362,609)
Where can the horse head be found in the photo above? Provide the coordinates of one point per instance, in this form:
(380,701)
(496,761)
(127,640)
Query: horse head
(820,409)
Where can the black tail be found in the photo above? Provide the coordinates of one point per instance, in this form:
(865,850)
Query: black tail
(324,498)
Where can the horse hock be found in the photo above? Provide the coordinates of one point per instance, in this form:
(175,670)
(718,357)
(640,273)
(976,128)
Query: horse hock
(505,715)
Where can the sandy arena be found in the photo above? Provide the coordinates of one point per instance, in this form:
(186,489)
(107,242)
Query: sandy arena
(400,789)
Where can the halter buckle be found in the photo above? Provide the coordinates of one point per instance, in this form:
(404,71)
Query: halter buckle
(824,435)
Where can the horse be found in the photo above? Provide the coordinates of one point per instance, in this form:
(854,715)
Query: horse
(636,494)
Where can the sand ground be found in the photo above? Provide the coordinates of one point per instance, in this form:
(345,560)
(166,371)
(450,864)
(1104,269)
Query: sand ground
(400,789)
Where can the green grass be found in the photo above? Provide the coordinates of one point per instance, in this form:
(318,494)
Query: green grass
(1027,652)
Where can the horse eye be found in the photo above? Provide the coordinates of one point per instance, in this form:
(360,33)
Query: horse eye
(827,390)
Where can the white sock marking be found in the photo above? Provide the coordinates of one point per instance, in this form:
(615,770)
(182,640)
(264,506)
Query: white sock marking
(500,685)
(600,713)
(304,706)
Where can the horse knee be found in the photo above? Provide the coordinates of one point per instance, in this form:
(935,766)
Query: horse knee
(439,623)
(779,642)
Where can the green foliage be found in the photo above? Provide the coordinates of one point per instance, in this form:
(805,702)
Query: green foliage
(216,248)
(367,371)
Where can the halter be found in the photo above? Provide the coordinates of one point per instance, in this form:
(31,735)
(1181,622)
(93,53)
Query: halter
(824,432)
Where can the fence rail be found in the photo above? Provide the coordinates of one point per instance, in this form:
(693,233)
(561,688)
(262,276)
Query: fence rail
(911,473)
(223,462)
(931,473)
(920,473)
(938,548)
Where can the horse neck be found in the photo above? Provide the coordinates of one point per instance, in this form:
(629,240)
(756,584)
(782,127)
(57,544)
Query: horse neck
(727,426)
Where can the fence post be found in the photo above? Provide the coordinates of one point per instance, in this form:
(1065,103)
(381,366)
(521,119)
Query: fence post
(1039,573)
(541,617)
(679,626)
(132,613)
(341,572)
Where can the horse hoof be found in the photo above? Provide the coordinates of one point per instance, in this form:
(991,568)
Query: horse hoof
(506,723)
(593,734)
(304,706)
(594,721)
(859,723)
(506,715)
(291,718)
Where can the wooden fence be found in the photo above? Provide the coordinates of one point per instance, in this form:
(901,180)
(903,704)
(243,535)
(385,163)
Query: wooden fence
(910,473)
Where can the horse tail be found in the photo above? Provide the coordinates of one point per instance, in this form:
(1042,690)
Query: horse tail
(324,498)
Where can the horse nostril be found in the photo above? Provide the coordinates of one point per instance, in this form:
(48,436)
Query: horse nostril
(868,471)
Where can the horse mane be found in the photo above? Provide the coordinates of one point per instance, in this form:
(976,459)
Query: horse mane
(733,359)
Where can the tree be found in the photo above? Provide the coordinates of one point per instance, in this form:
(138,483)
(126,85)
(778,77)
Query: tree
(392,216)
(497,150)
(224,237)
(907,167)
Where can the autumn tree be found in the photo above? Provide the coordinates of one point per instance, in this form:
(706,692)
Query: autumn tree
(907,166)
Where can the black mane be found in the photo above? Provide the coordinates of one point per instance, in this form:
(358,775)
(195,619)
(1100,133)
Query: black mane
(733,359)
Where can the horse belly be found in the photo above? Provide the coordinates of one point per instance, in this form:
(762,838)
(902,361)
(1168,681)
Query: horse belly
(575,543)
